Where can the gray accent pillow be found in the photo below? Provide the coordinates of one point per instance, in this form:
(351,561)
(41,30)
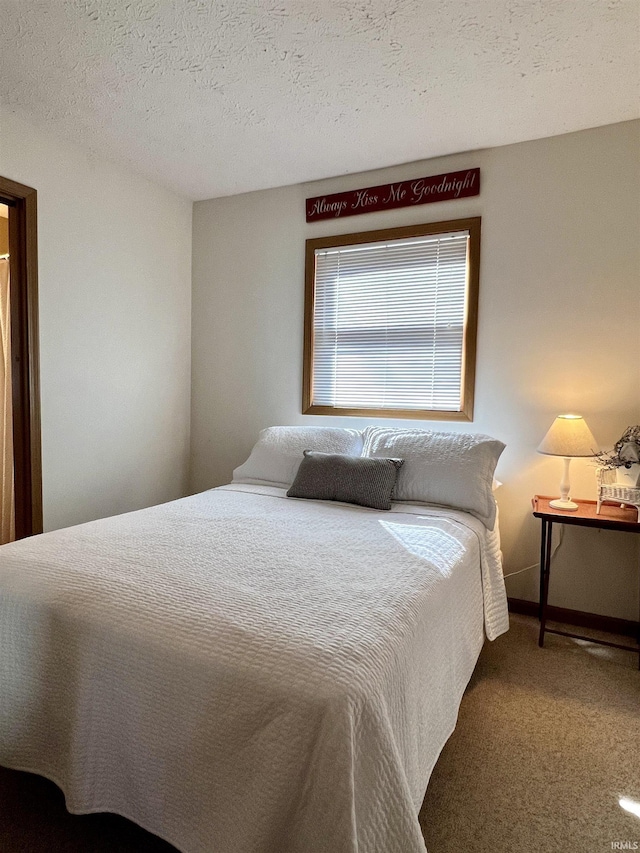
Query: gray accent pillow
(351,479)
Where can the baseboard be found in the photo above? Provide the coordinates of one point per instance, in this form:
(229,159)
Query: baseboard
(626,627)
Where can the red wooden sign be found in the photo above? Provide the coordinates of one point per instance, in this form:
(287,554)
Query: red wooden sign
(388,196)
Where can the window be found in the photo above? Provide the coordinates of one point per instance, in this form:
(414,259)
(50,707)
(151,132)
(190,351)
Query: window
(390,322)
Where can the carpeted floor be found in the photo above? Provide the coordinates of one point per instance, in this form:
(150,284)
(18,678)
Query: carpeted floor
(547,742)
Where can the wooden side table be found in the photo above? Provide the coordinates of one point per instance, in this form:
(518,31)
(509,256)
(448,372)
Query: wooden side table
(610,518)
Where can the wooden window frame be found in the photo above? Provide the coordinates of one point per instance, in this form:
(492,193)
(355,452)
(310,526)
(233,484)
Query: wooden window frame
(470,333)
(25,374)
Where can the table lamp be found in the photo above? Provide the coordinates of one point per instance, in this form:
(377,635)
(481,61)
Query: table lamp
(568,436)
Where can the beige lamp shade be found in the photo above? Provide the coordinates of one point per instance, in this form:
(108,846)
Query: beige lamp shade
(569,435)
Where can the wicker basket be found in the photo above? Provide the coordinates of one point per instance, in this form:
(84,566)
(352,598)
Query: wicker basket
(609,490)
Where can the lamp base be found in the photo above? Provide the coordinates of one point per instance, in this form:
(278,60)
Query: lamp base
(567,506)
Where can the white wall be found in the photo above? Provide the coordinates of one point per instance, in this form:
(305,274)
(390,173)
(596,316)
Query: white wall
(115,307)
(558,328)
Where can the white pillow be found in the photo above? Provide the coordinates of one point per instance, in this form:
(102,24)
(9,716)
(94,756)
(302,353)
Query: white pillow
(450,469)
(278,452)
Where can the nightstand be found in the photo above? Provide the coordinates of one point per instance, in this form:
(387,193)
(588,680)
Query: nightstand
(610,518)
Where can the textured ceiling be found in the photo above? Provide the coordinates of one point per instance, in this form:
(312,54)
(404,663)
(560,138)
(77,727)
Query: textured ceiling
(215,98)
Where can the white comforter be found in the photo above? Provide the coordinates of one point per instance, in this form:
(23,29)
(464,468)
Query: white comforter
(244,673)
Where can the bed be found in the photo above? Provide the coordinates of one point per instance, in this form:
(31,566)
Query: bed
(242,671)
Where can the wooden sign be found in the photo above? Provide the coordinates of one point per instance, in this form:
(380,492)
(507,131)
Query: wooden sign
(389,196)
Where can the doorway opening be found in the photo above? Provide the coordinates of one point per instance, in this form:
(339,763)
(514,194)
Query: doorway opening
(20,454)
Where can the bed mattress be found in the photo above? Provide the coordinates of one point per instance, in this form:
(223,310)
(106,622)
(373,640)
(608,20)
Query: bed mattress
(239,672)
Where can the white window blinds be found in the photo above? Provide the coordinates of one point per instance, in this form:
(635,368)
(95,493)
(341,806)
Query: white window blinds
(388,324)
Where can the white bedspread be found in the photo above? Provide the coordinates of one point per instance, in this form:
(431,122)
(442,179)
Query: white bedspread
(243,673)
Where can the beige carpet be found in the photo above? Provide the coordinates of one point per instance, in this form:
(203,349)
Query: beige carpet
(547,742)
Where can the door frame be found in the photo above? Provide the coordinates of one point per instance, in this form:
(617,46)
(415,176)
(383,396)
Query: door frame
(25,371)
